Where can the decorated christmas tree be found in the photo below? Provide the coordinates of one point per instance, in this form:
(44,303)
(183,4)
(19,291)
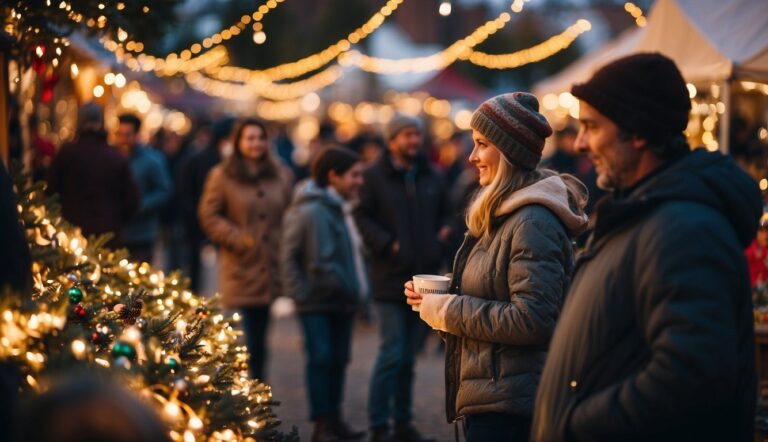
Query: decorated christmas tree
(94,310)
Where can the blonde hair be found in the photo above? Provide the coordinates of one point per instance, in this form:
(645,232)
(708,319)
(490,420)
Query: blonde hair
(508,179)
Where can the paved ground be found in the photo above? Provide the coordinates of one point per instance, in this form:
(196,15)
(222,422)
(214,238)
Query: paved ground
(285,372)
(286,375)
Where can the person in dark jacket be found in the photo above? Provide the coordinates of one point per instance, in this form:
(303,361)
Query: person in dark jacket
(151,174)
(510,276)
(94,180)
(656,338)
(322,269)
(403,216)
(193,174)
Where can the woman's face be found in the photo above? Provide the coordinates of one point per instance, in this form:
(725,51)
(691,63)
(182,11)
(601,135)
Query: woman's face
(253,142)
(485,156)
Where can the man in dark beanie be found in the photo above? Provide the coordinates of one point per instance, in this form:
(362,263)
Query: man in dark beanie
(403,217)
(656,340)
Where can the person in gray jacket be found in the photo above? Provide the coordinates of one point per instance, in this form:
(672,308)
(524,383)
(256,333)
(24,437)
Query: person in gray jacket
(510,275)
(323,271)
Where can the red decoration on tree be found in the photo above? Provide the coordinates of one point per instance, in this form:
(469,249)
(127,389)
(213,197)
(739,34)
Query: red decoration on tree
(38,63)
(80,311)
(46,95)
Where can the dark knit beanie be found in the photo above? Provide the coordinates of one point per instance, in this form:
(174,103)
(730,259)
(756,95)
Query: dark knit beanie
(513,123)
(642,93)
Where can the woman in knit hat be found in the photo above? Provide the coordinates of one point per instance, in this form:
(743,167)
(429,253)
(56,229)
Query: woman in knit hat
(510,275)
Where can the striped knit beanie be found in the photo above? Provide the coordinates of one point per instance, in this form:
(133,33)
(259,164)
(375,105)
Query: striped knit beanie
(513,123)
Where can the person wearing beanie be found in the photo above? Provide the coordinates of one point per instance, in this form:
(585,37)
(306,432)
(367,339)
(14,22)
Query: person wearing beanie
(655,341)
(403,217)
(509,276)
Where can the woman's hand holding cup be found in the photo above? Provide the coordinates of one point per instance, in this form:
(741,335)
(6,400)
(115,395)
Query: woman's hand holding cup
(425,284)
(413,297)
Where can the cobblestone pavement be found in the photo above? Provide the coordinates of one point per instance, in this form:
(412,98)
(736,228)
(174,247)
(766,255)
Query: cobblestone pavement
(286,376)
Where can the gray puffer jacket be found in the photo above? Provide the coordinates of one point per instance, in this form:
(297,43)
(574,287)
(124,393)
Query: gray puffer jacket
(510,289)
(317,261)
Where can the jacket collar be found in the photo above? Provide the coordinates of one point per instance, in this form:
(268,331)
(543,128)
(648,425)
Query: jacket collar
(629,205)
(420,166)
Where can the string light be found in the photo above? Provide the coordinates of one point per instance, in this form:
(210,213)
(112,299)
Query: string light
(170,65)
(227,33)
(437,61)
(445,8)
(315,61)
(273,91)
(259,37)
(636,13)
(533,54)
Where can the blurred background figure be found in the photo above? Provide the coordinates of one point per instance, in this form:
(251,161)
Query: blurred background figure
(94,180)
(42,149)
(151,174)
(757,254)
(565,159)
(193,173)
(368,145)
(241,211)
(88,410)
(176,150)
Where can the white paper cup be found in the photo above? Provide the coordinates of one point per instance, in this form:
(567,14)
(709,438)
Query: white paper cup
(430,285)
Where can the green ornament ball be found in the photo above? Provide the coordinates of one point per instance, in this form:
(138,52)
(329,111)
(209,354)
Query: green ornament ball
(122,348)
(172,363)
(75,295)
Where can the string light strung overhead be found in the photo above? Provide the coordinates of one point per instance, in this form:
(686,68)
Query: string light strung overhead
(445,8)
(289,91)
(636,13)
(315,61)
(533,54)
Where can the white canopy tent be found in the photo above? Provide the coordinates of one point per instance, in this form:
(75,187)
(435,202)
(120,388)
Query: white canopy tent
(712,41)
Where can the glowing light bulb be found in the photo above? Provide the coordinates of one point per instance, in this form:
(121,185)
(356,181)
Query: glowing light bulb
(259,37)
(445,8)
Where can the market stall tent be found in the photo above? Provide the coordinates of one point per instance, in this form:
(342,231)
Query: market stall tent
(712,41)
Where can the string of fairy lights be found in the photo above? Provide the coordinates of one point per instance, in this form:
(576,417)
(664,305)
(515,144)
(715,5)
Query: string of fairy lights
(291,91)
(636,13)
(210,73)
(533,54)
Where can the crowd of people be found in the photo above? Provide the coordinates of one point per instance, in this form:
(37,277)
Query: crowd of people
(640,329)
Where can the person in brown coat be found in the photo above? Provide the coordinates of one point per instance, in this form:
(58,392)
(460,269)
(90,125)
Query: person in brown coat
(241,211)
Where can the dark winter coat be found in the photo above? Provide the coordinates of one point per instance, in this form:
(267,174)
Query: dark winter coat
(15,258)
(97,189)
(510,288)
(193,174)
(656,339)
(317,261)
(408,207)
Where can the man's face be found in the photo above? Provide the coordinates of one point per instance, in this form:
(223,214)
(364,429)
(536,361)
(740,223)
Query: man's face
(406,144)
(125,137)
(349,183)
(616,160)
